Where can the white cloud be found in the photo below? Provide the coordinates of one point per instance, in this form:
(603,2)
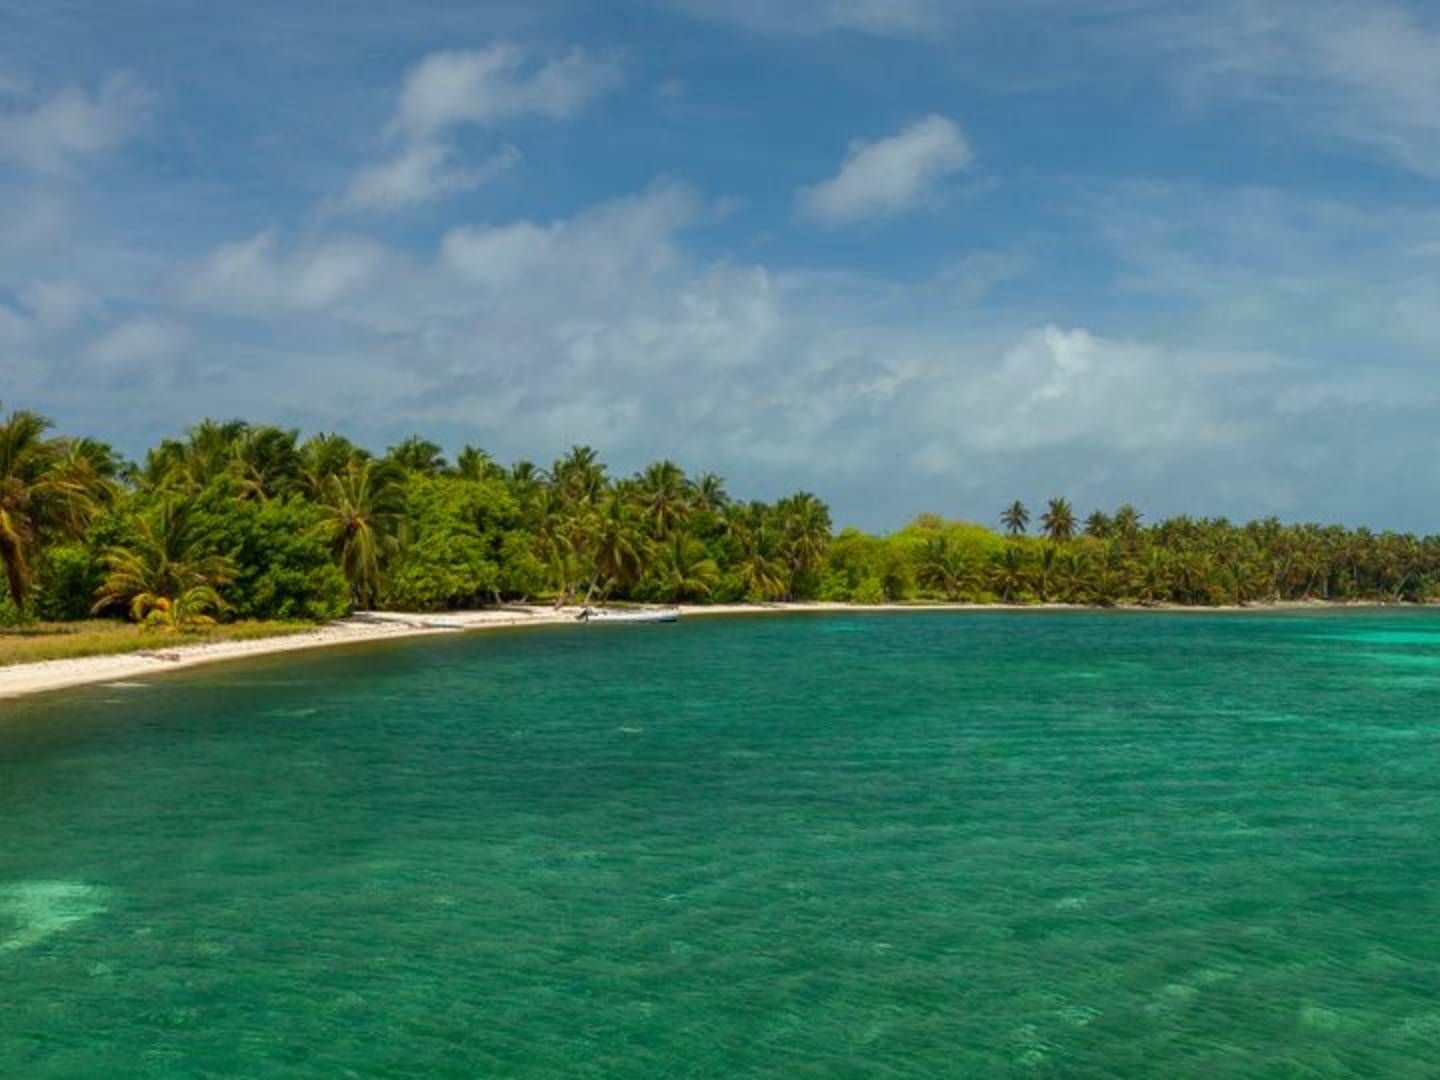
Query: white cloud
(1366,72)
(60,305)
(138,340)
(422,171)
(598,249)
(53,135)
(890,176)
(255,275)
(501,82)
(483,87)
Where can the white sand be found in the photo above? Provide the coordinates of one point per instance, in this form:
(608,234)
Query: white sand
(21,679)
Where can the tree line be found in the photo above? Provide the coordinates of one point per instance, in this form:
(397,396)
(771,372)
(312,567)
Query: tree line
(241,520)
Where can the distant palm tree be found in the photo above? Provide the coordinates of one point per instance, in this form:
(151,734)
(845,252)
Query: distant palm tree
(618,547)
(804,534)
(417,455)
(1015,518)
(47,487)
(1126,522)
(1008,572)
(664,498)
(473,463)
(1058,521)
(364,509)
(946,569)
(707,493)
(1099,525)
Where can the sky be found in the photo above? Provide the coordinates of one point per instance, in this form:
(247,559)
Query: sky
(912,255)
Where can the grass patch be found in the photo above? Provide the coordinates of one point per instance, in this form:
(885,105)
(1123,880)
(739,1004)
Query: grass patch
(104,637)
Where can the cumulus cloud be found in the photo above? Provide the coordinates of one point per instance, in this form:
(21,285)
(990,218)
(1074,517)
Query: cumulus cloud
(891,175)
(56,134)
(257,275)
(422,171)
(482,87)
(599,247)
(501,82)
(138,340)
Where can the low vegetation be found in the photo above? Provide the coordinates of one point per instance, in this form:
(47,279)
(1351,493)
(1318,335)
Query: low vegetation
(103,637)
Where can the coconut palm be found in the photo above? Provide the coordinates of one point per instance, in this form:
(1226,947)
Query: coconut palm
(48,487)
(1058,521)
(364,510)
(417,455)
(684,570)
(166,578)
(1008,572)
(947,569)
(663,497)
(617,547)
(1015,518)
(805,534)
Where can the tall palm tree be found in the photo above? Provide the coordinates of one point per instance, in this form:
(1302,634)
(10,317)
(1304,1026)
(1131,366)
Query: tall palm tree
(805,534)
(48,486)
(707,493)
(364,512)
(1015,518)
(1099,525)
(1126,523)
(417,455)
(267,461)
(618,547)
(1058,521)
(472,463)
(324,456)
(663,497)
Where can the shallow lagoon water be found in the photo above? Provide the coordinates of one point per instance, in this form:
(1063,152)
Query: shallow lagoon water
(1037,844)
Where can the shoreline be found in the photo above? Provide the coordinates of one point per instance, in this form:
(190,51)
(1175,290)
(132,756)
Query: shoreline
(47,676)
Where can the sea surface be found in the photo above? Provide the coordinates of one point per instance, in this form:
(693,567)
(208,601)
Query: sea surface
(857,845)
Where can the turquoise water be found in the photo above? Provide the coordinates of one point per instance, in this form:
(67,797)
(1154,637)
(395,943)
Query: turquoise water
(1080,845)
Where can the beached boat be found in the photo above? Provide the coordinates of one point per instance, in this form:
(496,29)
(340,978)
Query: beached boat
(649,615)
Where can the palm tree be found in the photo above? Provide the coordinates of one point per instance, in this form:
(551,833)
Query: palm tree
(417,455)
(707,493)
(664,498)
(1009,572)
(268,462)
(1058,521)
(1099,525)
(1015,518)
(618,547)
(324,456)
(167,578)
(473,463)
(1126,523)
(48,487)
(364,511)
(946,569)
(805,534)
(685,570)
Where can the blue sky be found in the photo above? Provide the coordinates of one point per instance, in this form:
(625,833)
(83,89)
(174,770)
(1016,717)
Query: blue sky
(910,254)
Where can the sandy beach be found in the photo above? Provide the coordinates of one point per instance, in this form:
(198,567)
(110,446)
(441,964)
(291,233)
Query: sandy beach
(19,680)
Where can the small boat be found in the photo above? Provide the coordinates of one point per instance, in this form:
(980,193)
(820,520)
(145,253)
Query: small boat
(649,615)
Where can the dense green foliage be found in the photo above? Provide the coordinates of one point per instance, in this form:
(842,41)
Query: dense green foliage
(248,521)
